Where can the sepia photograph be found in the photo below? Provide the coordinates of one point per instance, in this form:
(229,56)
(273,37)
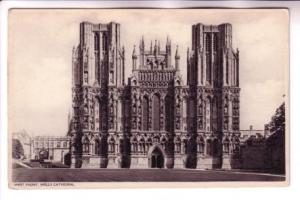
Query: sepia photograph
(148,96)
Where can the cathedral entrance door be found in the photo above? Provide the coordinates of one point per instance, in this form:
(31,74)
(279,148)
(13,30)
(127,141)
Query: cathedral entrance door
(157,159)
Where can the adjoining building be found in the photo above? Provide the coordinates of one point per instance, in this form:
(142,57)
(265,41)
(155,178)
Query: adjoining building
(254,133)
(50,148)
(156,120)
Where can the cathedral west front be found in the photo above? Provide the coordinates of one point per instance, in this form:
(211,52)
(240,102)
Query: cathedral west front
(155,120)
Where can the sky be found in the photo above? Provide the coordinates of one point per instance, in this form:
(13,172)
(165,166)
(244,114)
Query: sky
(40,43)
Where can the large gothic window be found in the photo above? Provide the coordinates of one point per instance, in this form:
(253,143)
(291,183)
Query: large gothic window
(156,113)
(208,57)
(145,114)
(96,48)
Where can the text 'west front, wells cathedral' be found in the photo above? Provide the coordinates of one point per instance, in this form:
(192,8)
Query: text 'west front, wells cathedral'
(155,120)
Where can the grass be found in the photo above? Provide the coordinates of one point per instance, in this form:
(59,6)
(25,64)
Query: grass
(136,175)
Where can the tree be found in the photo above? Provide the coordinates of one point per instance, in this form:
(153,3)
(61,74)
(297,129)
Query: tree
(276,141)
(17,149)
(277,124)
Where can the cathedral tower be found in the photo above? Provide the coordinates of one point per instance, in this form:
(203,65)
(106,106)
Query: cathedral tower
(213,79)
(98,80)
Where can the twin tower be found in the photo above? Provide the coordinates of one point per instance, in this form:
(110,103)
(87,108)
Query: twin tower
(155,120)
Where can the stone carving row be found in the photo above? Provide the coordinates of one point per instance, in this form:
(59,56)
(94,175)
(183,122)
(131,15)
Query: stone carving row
(155,76)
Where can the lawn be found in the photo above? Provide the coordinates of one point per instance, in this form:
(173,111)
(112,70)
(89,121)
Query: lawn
(136,175)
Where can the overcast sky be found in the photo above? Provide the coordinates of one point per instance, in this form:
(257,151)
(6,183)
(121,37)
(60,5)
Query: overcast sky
(40,51)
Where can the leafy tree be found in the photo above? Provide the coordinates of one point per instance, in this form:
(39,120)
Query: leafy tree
(277,124)
(17,149)
(276,142)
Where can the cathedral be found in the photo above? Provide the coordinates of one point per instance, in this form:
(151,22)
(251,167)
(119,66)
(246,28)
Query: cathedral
(155,120)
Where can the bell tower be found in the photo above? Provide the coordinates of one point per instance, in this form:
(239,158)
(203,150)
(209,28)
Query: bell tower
(213,79)
(98,81)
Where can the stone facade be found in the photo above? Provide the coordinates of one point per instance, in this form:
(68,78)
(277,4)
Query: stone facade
(50,148)
(155,120)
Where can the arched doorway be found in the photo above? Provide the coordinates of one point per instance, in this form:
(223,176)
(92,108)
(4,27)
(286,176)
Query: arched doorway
(157,159)
(67,159)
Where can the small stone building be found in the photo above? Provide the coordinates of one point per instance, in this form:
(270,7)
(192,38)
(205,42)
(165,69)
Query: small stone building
(50,148)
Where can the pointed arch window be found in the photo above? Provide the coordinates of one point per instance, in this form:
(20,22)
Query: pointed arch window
(97,114)
(96,41)
(208,46)
(215,147)
(192,113)
(215,44)
(214,114)
(177,145)
(97,147)
(145,113)
(156,112)
(134,145)
(96,48)
(200,145)
(104,42)
(111,145)
(208,114)
(148,144)
(185,145)
(169,113)
(236,146)
(163,143)
(226,146)
(227,70)
(184,113)
(142,145)
(208,41)
(209,147)
(86,145)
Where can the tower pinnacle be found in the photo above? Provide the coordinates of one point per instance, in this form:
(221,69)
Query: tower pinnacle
(177,56)
(134,55)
